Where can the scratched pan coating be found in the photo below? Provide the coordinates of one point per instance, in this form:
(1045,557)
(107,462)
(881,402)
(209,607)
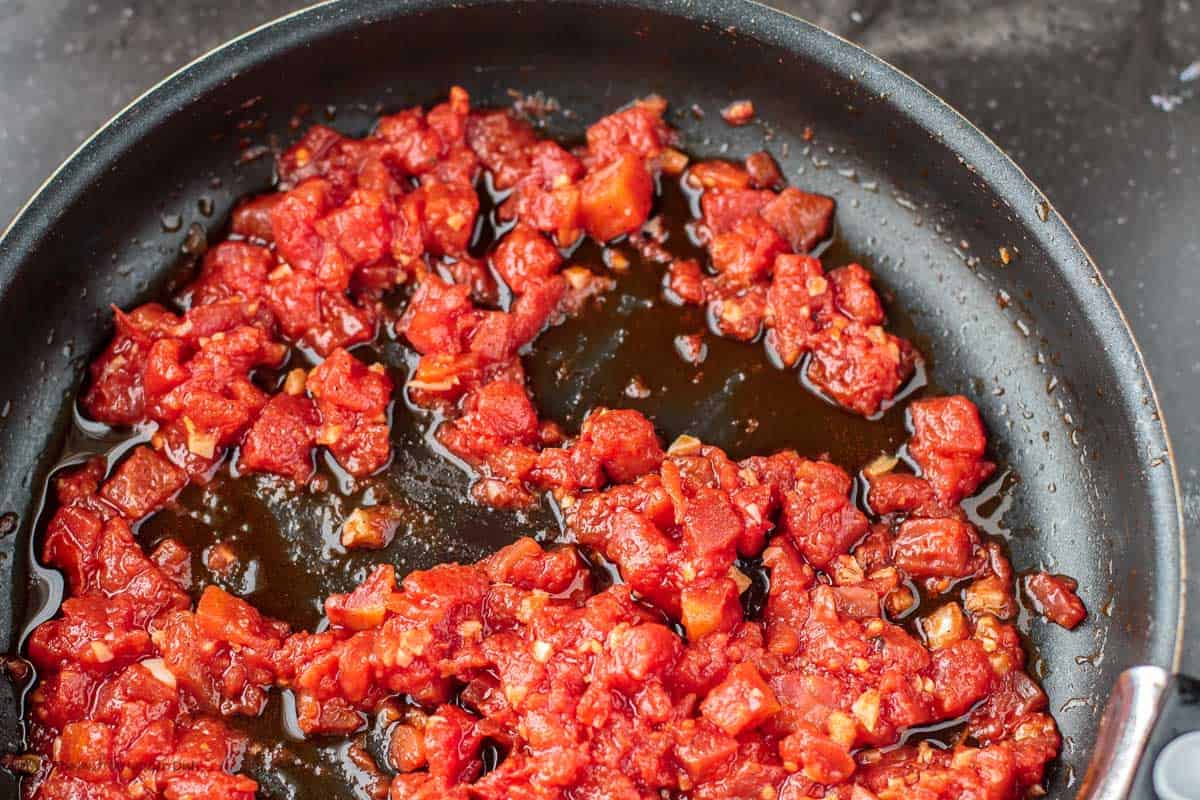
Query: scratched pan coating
(925,200)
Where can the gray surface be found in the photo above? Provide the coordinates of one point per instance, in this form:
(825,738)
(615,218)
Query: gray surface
(1068,89)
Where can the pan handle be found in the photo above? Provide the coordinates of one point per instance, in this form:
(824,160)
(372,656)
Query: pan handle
(1148,744)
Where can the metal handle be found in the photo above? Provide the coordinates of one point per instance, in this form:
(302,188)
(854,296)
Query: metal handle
(1129,719)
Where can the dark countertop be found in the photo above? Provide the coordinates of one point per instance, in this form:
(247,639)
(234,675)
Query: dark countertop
(1091,97)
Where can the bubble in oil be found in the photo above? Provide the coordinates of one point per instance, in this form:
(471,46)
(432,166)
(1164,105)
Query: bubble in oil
(196,241)
(171,222)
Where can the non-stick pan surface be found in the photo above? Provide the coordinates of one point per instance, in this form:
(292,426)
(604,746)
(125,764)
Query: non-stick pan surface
(925,200)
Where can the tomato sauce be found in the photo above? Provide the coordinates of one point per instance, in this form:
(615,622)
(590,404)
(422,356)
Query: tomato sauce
(383,347)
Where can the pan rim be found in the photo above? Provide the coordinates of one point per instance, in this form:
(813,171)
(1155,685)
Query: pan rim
(912,99)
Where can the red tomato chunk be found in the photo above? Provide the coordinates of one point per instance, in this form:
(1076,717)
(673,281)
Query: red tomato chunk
(1055,598)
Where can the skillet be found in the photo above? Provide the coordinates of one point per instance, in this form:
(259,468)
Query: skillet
(925,201)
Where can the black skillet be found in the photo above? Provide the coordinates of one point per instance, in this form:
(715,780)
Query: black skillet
(925,200)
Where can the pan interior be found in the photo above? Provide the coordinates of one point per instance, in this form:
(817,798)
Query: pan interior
(1028,337)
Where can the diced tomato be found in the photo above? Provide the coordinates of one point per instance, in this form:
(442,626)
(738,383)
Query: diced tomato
(293,223)
(231,619)
(281,439)
(410,144)
(724,206)
(961,676)
(896,491)
(710,606)
(616,199)
(818,515)
(142,483)
(624,441)
(208,784)
(438,317)
(406,748)
(80,481)
(502,143)
(820,758)
(854,295)
(1054,597)
(115,394)
(449,218)
(637,654)
(452,745)
(360,229)
(934,547)
(763,171)
(686,280)
(802,219)
(740,316)
(747,251)
(252,217)
(711,528)
(233,269)
(85,749)
(741,701)
(352,401)
(719,175)
(524,256)
(948,443)
(859,367)
(637,131)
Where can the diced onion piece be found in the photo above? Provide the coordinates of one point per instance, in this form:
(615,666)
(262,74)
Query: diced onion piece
(158,668)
